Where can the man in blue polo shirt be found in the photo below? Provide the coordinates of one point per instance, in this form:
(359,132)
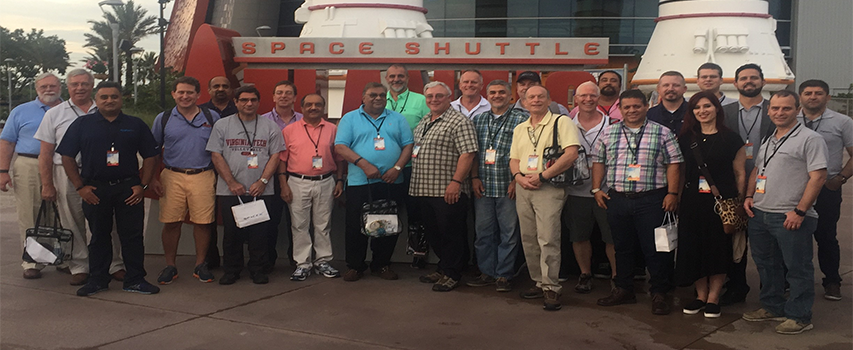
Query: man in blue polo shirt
(377,142)
(186,184)
(109,183)
(18,137)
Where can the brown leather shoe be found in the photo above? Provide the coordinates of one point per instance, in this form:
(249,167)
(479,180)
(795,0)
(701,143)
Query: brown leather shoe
(386,273)
(618,296)
(79,279)
(353,275)
(659,304)
(32,274)
(119,275)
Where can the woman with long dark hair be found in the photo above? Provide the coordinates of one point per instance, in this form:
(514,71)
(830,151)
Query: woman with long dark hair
(704,249)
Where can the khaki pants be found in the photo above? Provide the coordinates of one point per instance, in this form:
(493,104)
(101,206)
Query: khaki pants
(312,203)
(27,186)
(539,219)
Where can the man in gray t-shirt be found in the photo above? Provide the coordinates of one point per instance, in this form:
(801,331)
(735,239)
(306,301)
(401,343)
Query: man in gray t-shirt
(790,170)
(244,149)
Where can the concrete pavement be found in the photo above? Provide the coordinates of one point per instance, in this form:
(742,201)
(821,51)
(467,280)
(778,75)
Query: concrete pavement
(372,313)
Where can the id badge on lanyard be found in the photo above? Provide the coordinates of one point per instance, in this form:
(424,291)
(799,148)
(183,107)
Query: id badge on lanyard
(760,183)
(379,143)
(533,162)
(491,156)
(704,187)
(316,162)
(633,172)
(112,157)
(749,149)
(252,160)
(415,150)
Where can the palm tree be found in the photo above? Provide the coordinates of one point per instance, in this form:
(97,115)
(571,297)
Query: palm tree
(134,25)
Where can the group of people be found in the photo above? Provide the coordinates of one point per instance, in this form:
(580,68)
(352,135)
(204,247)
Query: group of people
(612,165)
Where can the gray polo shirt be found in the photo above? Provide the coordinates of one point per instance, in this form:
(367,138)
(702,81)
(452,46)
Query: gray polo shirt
(788,170)
(837,131)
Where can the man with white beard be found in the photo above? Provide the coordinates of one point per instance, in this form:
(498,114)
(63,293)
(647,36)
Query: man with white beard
(18,138)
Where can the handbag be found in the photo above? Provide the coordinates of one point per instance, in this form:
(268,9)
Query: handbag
(666,235)
(48,244)
(379,217)
(550,156)
(251,213)
(730,210)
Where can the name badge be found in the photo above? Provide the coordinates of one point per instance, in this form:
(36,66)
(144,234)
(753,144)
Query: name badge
(316,162)
(533,162)
(748,150)
(491,156)
(633,173)
(703,185)
(379,144)
(112,158)
(252,161)
(760,182)
(415,151)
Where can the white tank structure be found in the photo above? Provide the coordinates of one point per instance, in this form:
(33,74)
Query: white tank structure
(729,33)
(363,19)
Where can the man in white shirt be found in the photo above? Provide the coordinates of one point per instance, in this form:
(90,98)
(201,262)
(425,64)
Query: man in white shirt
(471,103)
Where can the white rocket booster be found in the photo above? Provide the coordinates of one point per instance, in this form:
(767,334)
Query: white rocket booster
(363,19)
(729,33)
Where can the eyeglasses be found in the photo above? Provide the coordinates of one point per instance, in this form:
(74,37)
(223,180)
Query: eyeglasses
(247,100)
(436,96)
(374,96)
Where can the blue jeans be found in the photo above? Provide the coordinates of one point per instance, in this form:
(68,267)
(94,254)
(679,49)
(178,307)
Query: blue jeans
(773,248)
(497,235)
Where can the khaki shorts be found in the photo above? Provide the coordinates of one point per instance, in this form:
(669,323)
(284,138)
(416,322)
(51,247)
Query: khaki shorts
(184,193)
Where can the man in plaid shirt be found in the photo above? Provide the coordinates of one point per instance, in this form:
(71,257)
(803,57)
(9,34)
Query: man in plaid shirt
(495,219)
(445,147)
(642,160)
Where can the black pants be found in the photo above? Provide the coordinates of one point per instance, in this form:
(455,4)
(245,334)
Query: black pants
(357,242)
(634,220)
(447,232)
(828,207)
(278,209)
(129,222)
(232,241)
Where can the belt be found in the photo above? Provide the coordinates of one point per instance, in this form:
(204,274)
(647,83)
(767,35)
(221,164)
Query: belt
(111,182)
(189,171)
(36,156)
(307,177)
(635,195)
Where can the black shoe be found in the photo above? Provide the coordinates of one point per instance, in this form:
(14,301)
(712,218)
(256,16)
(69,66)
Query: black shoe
(731,298)
(694,307)
(618,296)
(91,289)
(660,306)
(418,263)
(712,310)
(142,288)
(229,278)
(260,278)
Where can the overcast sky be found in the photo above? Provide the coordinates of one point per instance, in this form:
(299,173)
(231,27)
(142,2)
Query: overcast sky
(67,20)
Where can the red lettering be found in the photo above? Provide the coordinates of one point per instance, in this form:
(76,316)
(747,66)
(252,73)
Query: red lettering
(558,52)
(276,46)
(591,49)
(468,49)
(503,47)
(306,47)
(413,48)
(445,48)
(365,48)
(332,49)
(248,48)
(532,47)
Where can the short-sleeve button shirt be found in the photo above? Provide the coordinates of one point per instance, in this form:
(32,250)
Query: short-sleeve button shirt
(441,143)
(528,140)
(56,122)
(93,136)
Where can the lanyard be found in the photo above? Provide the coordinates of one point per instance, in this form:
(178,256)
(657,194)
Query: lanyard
(315,143)
(636,150)
(604,120)
(370,120)
(190,123)
(776,149)
(429,126)
(494,136)
(810,122)
(469,115)
(530,134)
(748,131)
(394,103)
(72,108)
(254,133)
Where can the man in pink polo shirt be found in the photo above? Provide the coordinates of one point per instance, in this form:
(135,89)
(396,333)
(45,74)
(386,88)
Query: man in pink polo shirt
(307,185)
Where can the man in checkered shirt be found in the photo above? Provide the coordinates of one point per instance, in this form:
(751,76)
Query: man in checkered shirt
(445,147)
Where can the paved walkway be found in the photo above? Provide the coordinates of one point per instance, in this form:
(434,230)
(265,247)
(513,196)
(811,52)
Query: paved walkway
(374,314)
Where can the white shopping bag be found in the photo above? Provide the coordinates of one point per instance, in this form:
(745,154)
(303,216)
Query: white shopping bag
(251,213)
(666,236)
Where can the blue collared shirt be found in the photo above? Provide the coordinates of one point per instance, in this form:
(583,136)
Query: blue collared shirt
(22,125)
(92,136)
(185,142)
(357,130)
(273,115)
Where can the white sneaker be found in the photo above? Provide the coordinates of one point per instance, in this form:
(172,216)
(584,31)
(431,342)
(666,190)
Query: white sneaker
(326,270)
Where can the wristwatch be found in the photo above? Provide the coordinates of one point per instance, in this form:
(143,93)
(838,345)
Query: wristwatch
(144,187)
(265,181)
(398,168)
(799,212)
(594,191)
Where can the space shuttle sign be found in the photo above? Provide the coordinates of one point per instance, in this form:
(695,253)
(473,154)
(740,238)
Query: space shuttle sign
(425,52)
